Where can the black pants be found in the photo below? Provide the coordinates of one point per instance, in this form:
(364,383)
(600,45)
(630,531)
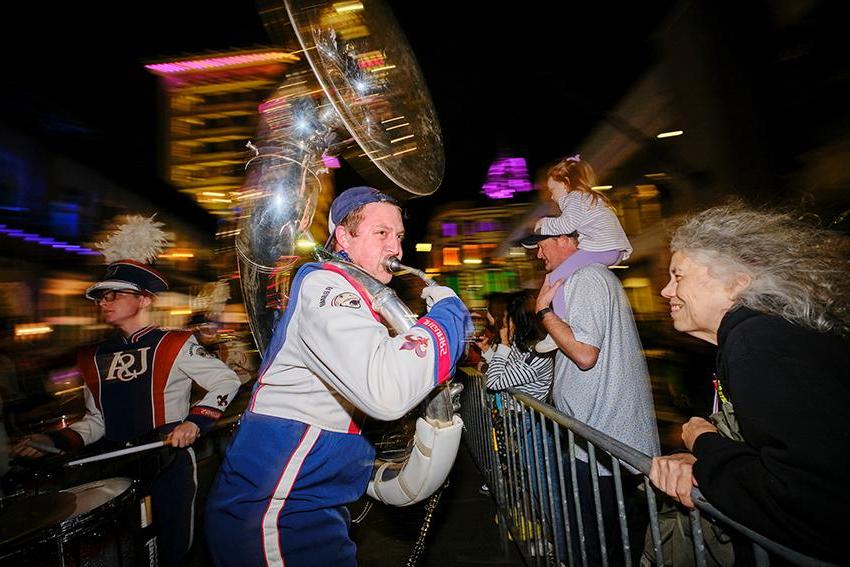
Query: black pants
(172,493)
(168,476)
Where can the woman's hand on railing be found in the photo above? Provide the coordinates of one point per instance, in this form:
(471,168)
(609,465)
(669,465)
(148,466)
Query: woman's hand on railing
(695,427)
(674,476)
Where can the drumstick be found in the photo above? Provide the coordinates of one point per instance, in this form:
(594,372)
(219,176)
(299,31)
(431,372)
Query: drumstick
(118,453)
(42,447)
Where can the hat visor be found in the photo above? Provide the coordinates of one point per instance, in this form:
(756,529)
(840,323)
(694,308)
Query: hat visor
(532,241)
(91,292)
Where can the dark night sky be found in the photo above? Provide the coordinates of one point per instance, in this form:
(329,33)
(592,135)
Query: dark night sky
(530,78)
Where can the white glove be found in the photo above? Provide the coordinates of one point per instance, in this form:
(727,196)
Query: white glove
(434,293)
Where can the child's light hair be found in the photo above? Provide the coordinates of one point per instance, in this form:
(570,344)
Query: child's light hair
(577,175)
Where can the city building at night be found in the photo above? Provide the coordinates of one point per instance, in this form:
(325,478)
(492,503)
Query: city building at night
(209,113)
(460,250)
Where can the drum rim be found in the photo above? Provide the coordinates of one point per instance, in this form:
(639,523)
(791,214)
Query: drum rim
(128,492)
(72,526)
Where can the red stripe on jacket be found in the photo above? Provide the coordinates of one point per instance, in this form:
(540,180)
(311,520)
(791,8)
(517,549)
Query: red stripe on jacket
(163,360)
(87,365)
(358,287)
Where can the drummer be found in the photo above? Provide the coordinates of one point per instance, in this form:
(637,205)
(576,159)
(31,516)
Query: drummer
(138,384)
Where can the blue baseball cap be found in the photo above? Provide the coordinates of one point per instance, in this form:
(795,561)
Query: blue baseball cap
(351,199)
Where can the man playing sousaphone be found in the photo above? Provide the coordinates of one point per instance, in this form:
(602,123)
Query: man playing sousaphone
(298,456)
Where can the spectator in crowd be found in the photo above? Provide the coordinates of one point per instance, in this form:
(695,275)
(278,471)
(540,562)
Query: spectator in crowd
(601,239)
(601,377)
(512,360)
(772,293)
(513,363)
(486,328)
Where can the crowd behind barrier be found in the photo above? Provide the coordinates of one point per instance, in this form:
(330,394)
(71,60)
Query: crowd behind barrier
(520,444)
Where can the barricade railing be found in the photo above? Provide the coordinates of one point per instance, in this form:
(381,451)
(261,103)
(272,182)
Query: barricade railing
(530,454)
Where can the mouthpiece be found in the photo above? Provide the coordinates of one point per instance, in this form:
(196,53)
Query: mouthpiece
(393,264)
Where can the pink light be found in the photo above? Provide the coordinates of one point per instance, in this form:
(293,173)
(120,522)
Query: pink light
(371,62)
(506,177)
(64,376)
(331,162)
(273,104)
(216,62)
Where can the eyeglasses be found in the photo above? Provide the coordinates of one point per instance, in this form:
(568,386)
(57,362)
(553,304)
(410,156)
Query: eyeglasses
(112,295)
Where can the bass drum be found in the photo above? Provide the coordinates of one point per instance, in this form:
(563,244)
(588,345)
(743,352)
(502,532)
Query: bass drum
(91,525)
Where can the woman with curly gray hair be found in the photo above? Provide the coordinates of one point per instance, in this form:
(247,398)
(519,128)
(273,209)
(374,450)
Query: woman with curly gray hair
(772,293)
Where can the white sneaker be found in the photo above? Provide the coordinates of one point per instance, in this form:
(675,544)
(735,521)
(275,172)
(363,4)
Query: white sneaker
(546,345)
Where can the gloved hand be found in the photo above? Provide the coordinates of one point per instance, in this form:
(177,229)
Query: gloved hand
(434,293)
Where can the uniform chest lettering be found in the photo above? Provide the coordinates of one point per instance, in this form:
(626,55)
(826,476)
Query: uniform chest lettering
(128,365)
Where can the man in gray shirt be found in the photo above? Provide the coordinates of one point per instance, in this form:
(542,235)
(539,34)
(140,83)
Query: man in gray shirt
(601,377)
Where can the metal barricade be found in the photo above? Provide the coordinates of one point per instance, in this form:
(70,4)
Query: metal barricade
(534,459)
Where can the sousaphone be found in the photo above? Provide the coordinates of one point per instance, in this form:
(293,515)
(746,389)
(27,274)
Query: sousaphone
(357,93)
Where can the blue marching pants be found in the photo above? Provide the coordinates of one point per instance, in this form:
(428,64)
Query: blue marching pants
(280,494)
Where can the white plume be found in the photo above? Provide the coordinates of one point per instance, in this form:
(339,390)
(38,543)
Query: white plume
(137,238)
(211,299)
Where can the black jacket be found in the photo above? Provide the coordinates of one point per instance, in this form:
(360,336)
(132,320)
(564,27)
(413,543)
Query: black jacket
(790,388)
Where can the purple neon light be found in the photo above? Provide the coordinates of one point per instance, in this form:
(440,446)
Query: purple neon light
(331,162)
(449,229)
(486,226)
(47,241)
(215,62)
(506,177)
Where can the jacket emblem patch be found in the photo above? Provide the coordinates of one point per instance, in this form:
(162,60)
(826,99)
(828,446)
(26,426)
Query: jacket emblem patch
(347,299)
(199,350)
(417,344)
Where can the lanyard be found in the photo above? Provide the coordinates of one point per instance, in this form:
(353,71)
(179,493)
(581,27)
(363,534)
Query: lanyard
(719,396)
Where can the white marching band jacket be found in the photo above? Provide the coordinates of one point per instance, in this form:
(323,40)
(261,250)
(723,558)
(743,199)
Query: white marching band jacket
(332,362)
(137,384)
